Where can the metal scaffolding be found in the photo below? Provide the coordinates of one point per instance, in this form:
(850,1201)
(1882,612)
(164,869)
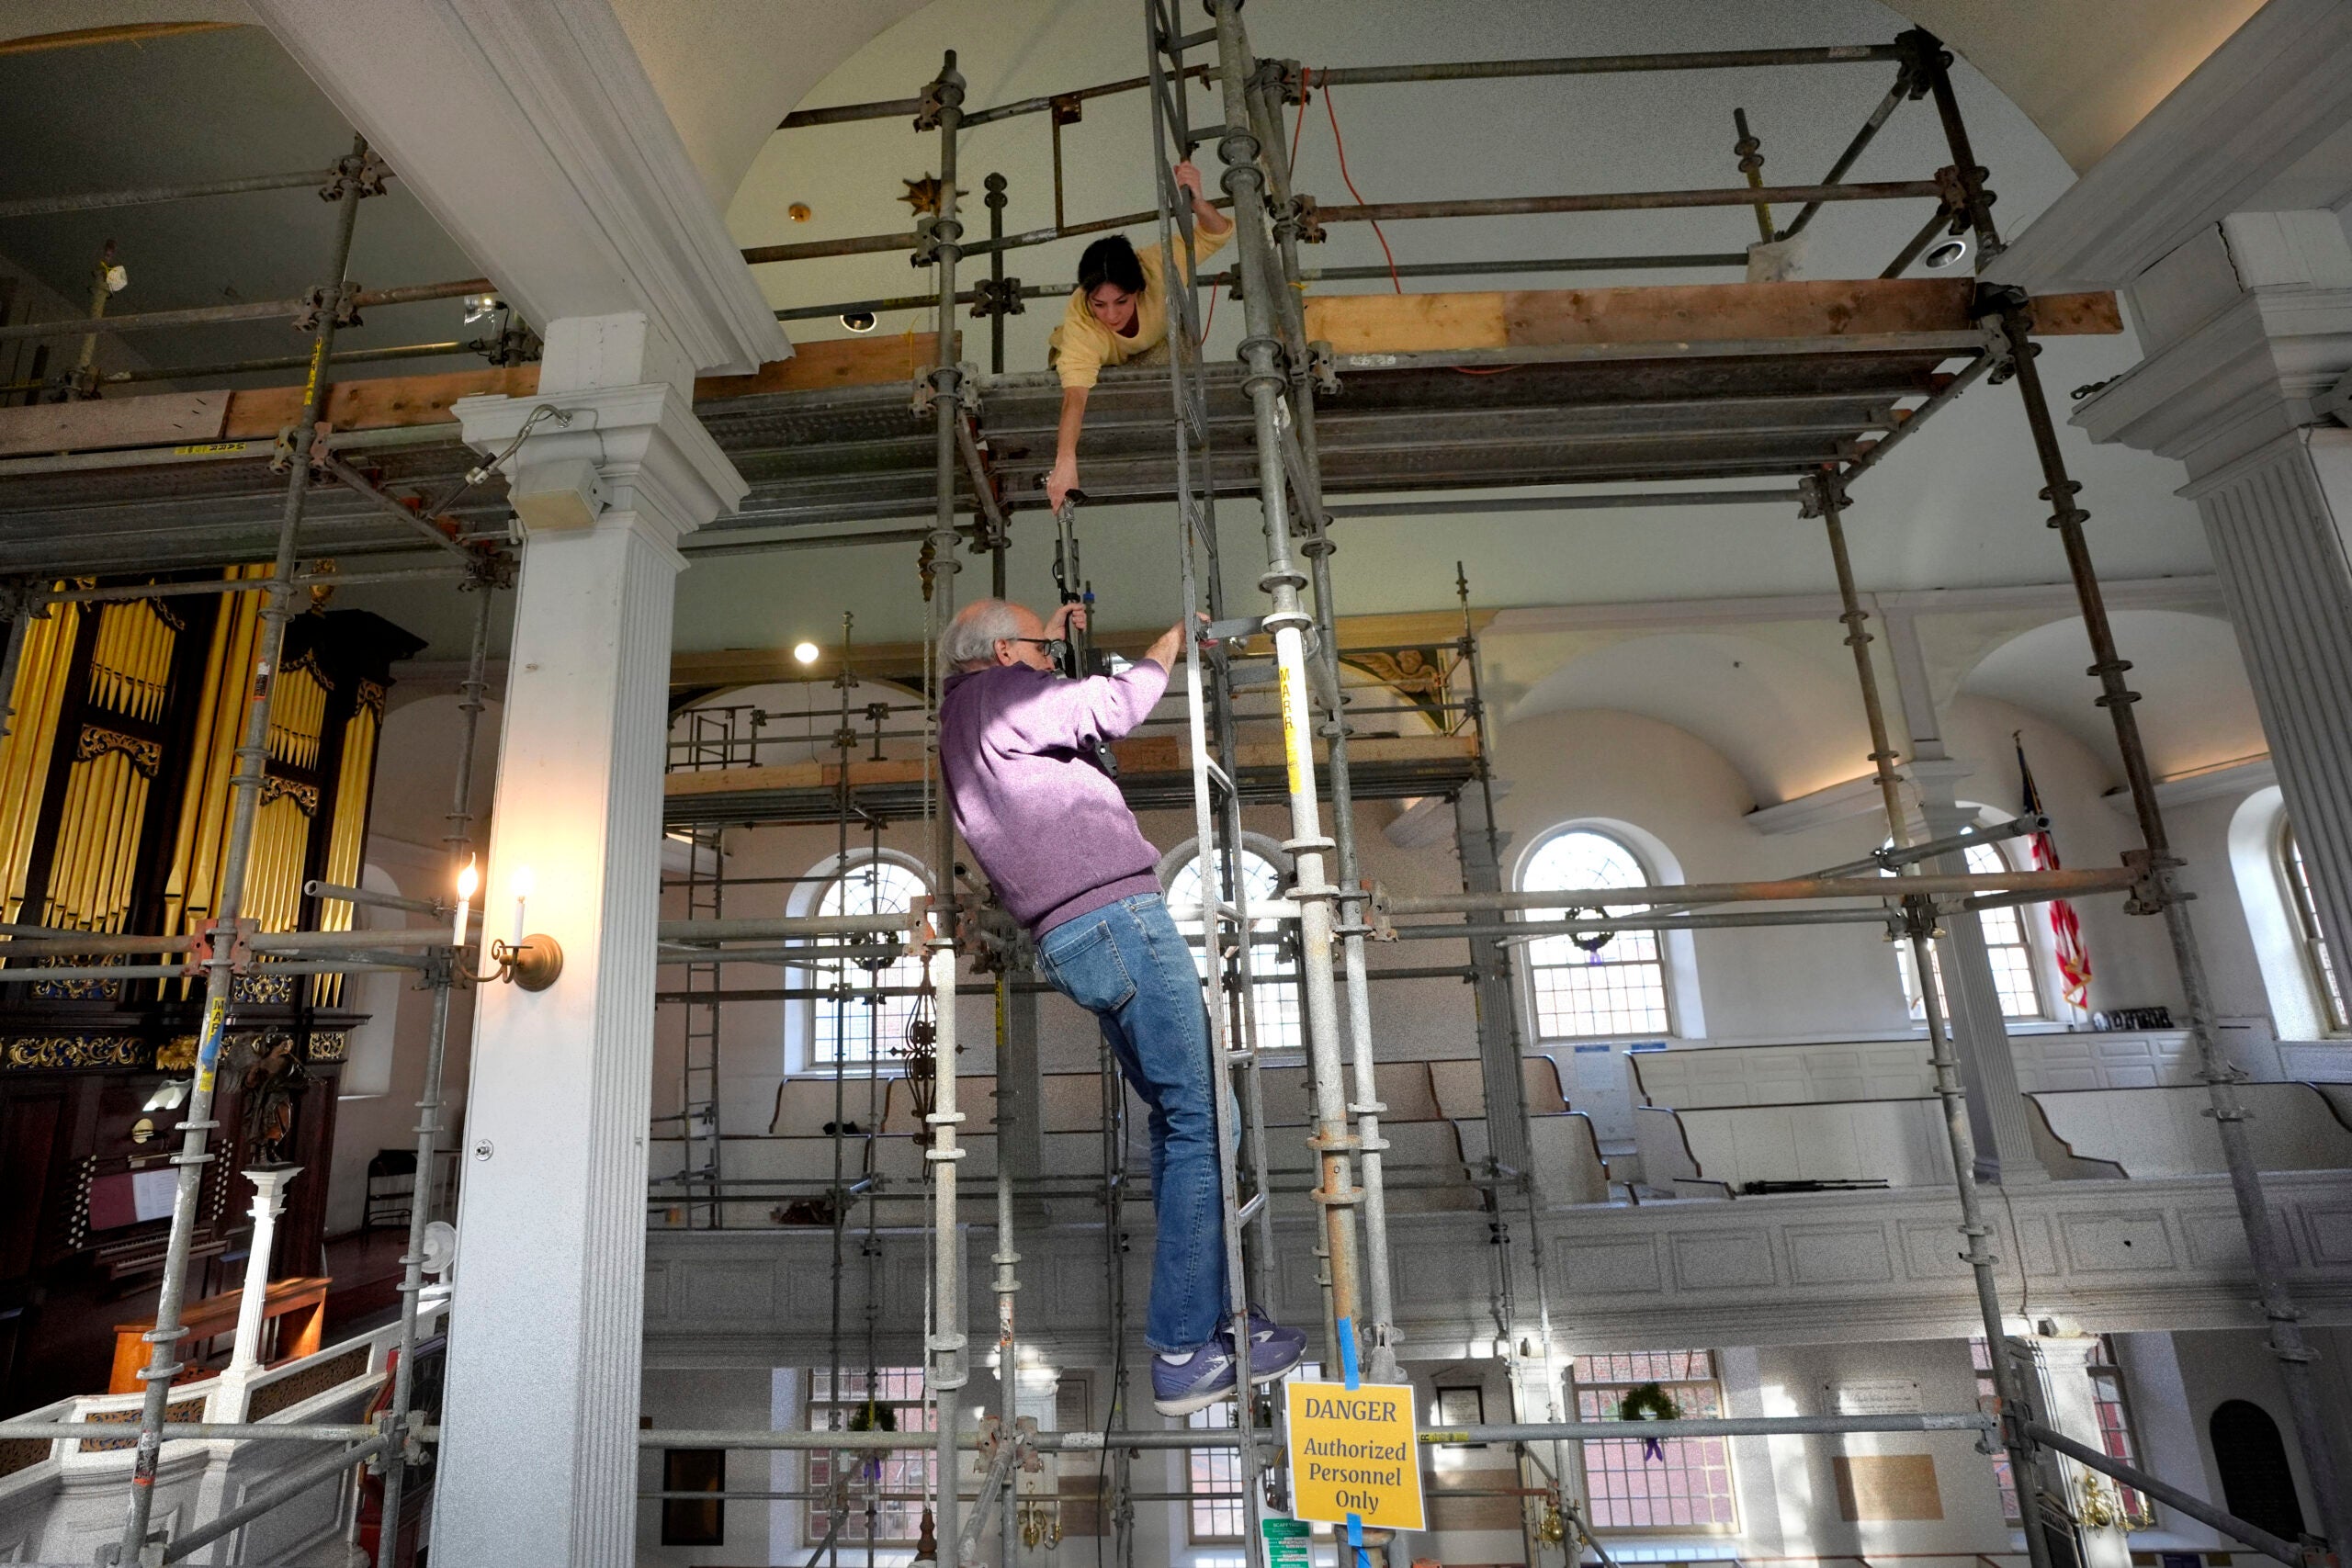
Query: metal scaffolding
(1330,906)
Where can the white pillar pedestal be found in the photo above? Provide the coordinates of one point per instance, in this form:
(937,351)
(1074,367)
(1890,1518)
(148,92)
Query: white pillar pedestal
(538,1463)
(227,1401)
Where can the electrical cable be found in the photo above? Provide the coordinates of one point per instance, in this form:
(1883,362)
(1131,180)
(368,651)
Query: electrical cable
(1338,145)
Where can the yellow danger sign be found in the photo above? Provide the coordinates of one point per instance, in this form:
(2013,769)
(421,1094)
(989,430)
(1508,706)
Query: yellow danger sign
(1354,1451)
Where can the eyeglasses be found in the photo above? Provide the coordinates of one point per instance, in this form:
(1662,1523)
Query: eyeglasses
(1055,648)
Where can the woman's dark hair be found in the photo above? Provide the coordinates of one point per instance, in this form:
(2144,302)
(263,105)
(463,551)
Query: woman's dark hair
(1110,260)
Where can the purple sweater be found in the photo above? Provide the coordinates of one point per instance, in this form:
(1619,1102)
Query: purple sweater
(1049,828)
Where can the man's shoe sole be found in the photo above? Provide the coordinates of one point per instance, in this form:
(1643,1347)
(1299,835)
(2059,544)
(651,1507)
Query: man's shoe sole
(1193,1401)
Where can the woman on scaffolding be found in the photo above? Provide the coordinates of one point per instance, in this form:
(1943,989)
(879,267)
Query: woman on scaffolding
(1118,315)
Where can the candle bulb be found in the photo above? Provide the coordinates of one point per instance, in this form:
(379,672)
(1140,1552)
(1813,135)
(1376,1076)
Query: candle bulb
(522,885)
(468,880)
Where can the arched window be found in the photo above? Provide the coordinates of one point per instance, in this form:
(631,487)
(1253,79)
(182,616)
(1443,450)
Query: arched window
(2256,1485)
(1273,965)
(2319,968)
(2005,944)
(1610,986)
(861,1024)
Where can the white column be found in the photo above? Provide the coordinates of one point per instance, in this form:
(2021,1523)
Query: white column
(2063,1398)
(1997,1112)
(2248,332)
(538,1463)
(227,1401)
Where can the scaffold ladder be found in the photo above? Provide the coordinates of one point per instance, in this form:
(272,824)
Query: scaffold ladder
(1216,808)
(698,1073)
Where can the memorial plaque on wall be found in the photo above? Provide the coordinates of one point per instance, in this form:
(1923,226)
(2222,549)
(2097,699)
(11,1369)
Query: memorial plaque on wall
(1887,1487)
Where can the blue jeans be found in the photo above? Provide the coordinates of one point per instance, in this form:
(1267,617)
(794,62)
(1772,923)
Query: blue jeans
(1127,964)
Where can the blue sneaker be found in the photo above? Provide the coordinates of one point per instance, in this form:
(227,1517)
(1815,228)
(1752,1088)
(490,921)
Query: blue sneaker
(1274,1349)
(1199,1381)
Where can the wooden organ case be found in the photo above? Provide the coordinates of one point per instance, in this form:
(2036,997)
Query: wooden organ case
(114,818)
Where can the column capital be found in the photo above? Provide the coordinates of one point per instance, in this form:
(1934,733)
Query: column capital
(2244,326)
(271,1182)
(574,457)
(1938,777)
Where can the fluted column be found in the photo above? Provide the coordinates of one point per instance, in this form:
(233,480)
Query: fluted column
(2249,334)
(2274,520)
(539,1459)
(1997,1112)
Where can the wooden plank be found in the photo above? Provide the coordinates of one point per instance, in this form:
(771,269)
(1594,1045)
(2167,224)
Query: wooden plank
(1150,754)
(1705,311)
(1701,312)
(1407,323)
(734,780)
(388,402)
(2061,315)
(158,418)
(829,363)
(380,402)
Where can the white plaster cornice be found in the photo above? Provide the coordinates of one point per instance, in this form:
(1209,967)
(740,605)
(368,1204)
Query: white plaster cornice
(533,135)
(2231,781)
(654,456)
(2278,87)
(2197,592)
(2243,378)
(1818,808)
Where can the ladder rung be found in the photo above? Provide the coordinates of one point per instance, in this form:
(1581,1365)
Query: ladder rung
(1249,1210)
(1217,775)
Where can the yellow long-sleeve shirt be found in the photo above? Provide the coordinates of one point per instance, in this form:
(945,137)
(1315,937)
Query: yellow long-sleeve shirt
(1082,345)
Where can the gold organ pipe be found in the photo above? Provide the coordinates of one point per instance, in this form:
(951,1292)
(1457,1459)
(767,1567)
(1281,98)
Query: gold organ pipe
(60,853)
(126,860)
(347,842)
(210,785)
(178,878)
(25,756)
(104,833)
(66,877)
(65,856)
(107,775)
(101,677)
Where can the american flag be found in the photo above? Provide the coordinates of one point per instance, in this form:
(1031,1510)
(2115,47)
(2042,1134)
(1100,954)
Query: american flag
(2066,931)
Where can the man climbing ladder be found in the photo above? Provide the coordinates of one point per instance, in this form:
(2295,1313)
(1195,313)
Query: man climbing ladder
(1017,748)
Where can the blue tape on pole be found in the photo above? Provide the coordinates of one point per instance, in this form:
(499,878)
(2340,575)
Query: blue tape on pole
(1352,1377)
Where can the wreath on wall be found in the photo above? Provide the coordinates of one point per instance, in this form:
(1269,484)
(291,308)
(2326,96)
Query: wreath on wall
(1650,1402)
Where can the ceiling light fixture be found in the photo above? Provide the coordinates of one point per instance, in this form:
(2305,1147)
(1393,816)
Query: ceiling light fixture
(806,652)
(480,307)
(859,322)
(1951,253)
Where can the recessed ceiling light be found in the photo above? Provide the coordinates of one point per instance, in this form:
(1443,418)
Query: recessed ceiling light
(858,321)
(1951,253)
(806,652)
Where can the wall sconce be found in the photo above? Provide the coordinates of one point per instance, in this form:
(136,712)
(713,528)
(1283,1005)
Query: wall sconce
(532,962)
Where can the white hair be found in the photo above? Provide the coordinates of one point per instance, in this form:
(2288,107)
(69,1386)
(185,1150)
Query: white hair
(971,637)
